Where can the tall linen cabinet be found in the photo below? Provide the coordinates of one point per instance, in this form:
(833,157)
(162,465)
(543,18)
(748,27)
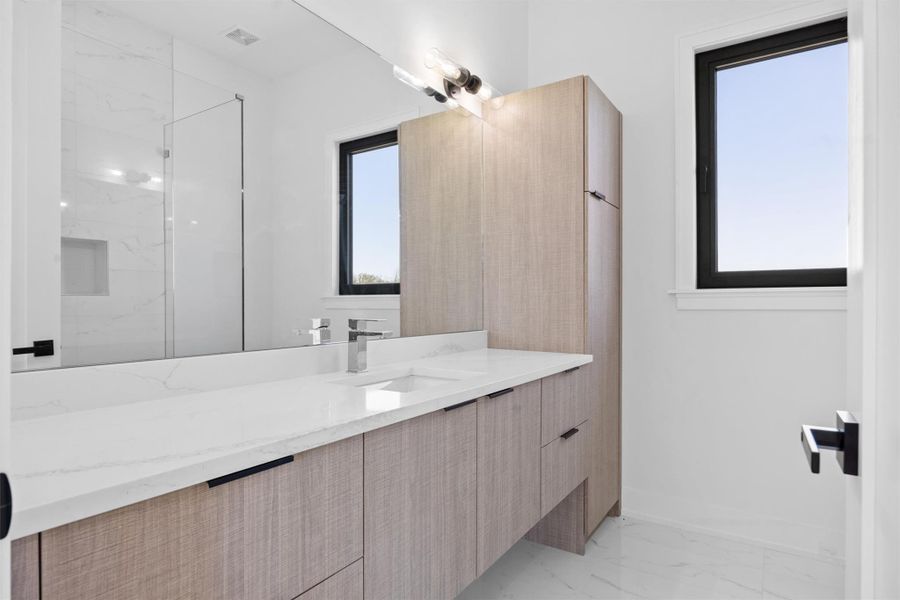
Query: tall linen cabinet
(551,237)
(512,223)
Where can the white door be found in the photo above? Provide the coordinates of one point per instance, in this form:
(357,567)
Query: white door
(5,252)
(873,498)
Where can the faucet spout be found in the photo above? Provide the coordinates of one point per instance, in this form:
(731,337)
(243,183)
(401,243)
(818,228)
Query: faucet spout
(357,343)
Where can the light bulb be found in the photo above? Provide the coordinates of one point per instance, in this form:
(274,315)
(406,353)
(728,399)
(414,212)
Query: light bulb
(450,69)
(486,92)
(409,79)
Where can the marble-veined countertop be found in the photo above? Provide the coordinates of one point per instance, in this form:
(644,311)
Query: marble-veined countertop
(71,466)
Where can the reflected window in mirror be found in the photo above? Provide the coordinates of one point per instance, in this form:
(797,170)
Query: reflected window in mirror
(369,191)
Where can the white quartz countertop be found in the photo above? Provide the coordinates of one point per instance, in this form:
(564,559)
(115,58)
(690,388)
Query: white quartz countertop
(71,466)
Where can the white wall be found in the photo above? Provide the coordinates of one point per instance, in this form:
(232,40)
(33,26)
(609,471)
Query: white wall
(712,400)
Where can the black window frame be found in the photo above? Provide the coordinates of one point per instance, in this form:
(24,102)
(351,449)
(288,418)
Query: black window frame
(346,151)
(706,64)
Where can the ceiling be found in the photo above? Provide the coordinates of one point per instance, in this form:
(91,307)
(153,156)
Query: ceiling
(291,37)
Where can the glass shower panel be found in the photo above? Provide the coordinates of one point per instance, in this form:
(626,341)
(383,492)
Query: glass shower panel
(204,231)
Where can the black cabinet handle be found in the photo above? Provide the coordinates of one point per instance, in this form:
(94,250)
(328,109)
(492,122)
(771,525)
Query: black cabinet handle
(597,195)
(569,433)
(38,348)
(6,505)
(250,471)
(501,393)
(843,439)
(572,370)
(460,405)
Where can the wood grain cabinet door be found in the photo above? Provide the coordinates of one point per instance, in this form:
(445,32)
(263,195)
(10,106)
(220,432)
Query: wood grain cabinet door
(565,402)
(420,507)
(440,224)
(603,375)
(26,568)
(534,219)
(509,470)
(344,585)
(603,135)
(267,536)
(564,466)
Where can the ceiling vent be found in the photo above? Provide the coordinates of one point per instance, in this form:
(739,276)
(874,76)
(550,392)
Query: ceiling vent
(244,38)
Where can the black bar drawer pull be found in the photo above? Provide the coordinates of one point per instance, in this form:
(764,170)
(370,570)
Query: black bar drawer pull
(501,393)
(6,505)
(843,439)
(569,433)
(460,405)
(249,471)
(572,370)
(38,348)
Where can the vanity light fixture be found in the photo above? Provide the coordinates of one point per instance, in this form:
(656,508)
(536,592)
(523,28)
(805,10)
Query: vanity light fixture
(457,77)
(420,86)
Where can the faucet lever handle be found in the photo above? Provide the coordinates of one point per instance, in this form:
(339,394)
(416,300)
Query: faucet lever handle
(360,323)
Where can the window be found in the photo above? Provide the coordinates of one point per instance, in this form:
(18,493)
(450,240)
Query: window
(370,215)
(772,161)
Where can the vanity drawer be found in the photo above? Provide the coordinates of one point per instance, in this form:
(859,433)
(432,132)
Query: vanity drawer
(344,585)
(564,402)
(563,465)
(270,535)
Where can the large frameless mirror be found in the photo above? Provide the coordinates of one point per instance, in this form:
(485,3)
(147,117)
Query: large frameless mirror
(183,191)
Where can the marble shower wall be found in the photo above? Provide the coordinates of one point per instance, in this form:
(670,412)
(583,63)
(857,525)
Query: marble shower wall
(117,95)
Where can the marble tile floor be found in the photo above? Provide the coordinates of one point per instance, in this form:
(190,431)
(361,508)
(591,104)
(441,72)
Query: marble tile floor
(628,558)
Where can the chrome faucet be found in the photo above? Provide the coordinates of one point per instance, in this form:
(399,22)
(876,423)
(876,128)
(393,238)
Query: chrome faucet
(357,346)
(320,332)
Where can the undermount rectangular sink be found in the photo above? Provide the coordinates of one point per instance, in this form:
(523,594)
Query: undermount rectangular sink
(405,380)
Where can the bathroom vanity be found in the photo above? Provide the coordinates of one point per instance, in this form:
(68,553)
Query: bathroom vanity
(348,488)
(169,462)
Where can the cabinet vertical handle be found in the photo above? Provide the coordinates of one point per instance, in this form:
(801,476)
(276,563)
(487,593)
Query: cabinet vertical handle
(6,505)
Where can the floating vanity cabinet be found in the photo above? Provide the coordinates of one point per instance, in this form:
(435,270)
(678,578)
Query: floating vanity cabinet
(420,506)
(551,251)
(440,224)
(271,535)
(509,469)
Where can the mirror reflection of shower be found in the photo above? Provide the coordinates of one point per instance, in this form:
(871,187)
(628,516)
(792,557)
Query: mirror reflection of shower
(151,209)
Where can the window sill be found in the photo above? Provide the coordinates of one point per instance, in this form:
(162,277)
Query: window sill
(818,298)
(350,302)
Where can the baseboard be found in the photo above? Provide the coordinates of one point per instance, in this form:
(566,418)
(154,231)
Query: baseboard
(804,540)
